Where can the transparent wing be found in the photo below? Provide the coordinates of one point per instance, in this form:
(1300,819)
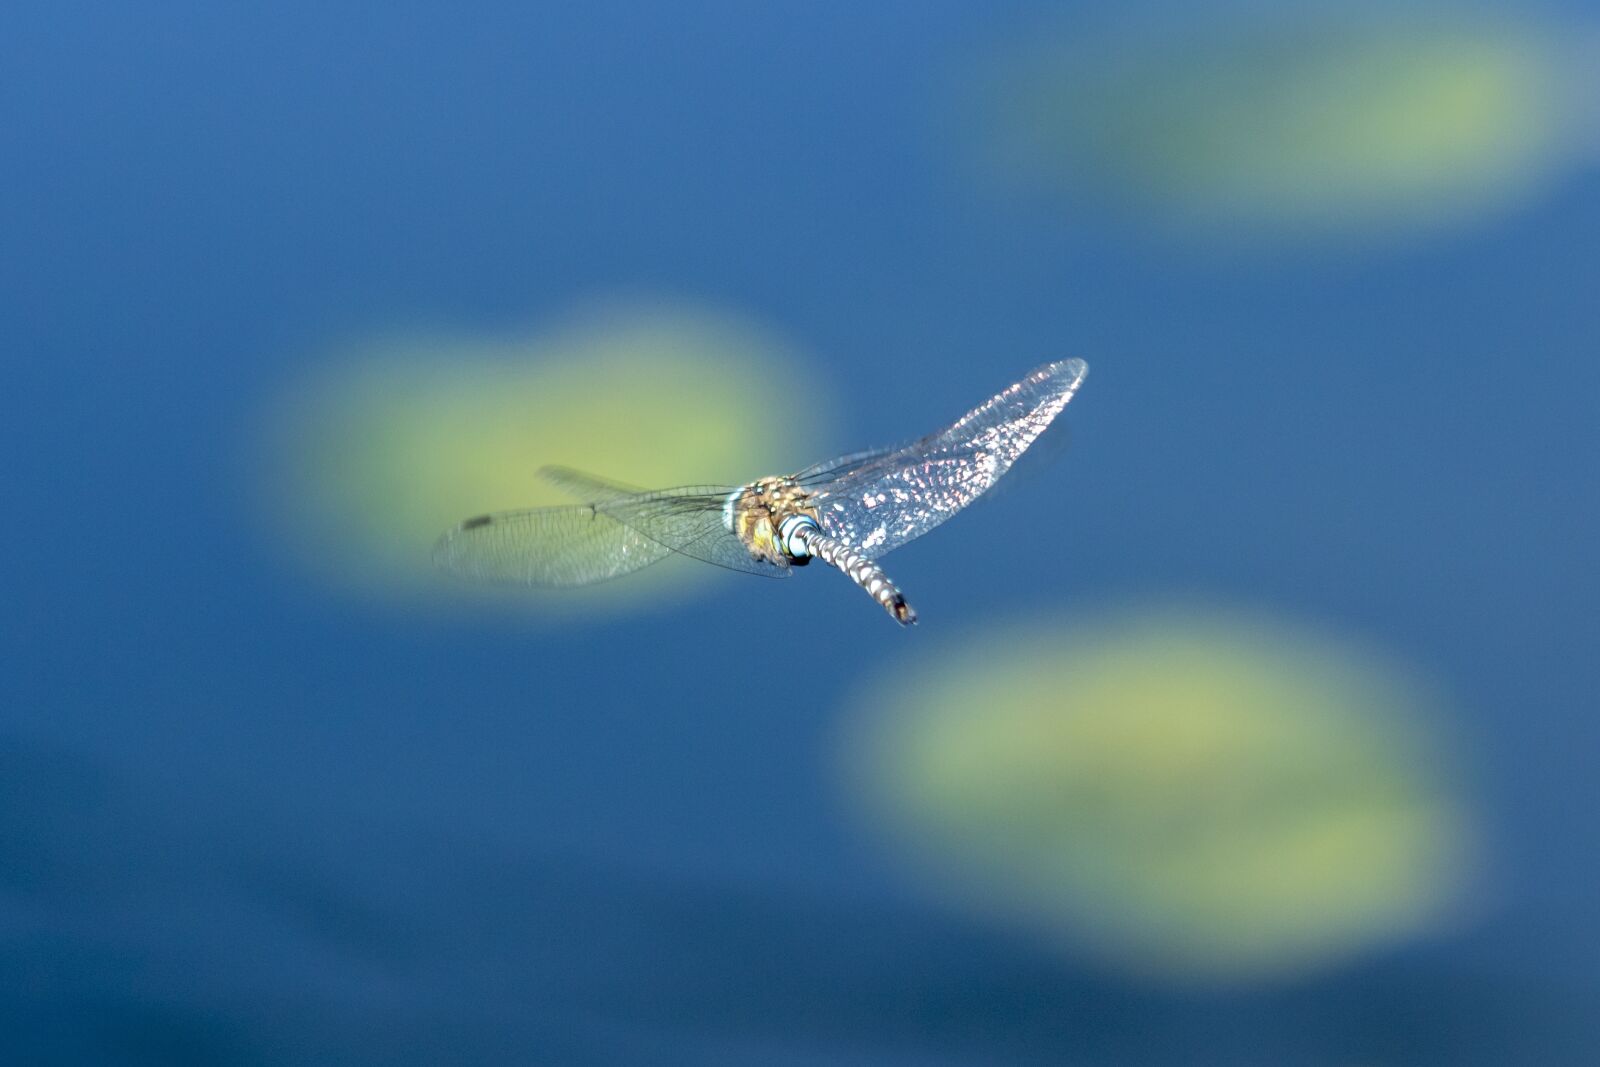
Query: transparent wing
(658,515)
(589,488)
(562,546)
(877,501)
(834,469)
(713,543)
(689,521)
(617,533)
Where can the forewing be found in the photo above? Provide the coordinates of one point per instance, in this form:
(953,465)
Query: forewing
(660,516)
(690,521)
(715,544)
(617,533)
(877,501)
(589,488)
(561,546)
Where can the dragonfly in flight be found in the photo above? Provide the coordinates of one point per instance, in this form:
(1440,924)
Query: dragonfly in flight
(847,512)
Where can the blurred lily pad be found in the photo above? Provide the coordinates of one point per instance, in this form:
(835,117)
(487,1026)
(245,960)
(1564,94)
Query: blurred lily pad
(1194,794)
(384,447)
(1293,122)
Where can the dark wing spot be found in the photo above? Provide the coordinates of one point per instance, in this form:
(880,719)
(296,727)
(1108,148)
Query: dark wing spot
(477,521)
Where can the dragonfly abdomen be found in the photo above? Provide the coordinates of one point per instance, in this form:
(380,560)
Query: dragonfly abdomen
(805,537)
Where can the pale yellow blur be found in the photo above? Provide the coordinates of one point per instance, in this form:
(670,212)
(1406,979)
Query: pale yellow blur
(1333,121)
(1189,794)
(383,447)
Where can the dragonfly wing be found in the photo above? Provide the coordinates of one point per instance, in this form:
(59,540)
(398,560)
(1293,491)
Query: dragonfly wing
(658,515)
(877,501)
(716,544)
(692,525)
(616,534)
(835,469)
(589,488)
(561,546)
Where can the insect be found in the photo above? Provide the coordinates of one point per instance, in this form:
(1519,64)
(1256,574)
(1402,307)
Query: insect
(847,512)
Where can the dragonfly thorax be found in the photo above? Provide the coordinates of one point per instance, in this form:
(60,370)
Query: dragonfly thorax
(767,515)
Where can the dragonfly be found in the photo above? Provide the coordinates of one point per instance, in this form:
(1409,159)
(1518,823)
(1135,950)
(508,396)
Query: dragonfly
(848,512)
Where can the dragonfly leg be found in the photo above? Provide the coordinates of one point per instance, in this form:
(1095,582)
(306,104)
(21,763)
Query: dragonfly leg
(859,569)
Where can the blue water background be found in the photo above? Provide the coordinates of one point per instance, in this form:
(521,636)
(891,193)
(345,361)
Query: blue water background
(243,820)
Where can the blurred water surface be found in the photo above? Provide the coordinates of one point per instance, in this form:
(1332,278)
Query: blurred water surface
(259,811)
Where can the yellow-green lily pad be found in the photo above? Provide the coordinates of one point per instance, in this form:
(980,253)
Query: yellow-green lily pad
(1291,122)
(1189,794)
(382,448)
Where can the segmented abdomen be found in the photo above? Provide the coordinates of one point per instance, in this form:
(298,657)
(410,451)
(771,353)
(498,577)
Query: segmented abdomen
(861,570)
